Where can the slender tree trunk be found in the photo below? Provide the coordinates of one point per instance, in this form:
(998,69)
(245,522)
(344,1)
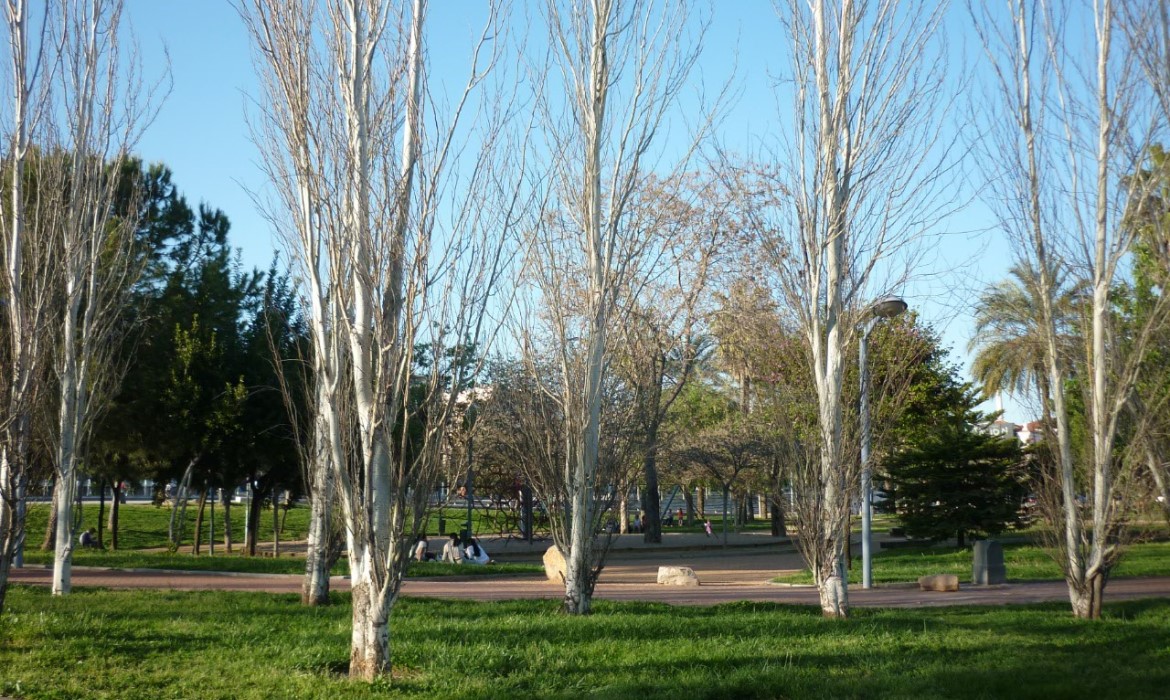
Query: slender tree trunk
(11,516)
(112,525)
(63,550)
(315,588)
(251,534)
(726,494)
(700,509)
(651,505)
(179,508)
(1154,464)
(578,560)
(199,522)
(51,525)
(275,523)
(776,513)
(227,521)
(101,516)
(624,511)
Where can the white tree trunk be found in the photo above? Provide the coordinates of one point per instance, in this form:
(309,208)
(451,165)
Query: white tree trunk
(63,548)
(16,424)
(1074,205)
(363,243)
(315,590)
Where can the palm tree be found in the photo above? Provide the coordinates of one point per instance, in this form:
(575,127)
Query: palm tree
(1008,344)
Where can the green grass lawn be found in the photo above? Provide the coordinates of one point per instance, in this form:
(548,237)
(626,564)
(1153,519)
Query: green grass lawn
(212,645)
(261,565)
(144,526)
(1024,562)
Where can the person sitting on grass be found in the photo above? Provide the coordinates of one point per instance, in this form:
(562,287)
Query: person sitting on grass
(452,552)
(476,554)
(88,539)
(421,552)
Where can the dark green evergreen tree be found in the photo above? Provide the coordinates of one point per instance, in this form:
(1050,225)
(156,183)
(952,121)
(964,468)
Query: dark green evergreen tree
(953,479)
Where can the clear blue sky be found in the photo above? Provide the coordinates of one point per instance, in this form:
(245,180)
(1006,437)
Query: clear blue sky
(201,131)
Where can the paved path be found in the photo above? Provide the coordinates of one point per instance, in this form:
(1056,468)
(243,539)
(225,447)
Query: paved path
(628,584)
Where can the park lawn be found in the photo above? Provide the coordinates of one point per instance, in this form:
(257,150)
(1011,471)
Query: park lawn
(144,526)
(212,645)
(1024,562)
(262,565)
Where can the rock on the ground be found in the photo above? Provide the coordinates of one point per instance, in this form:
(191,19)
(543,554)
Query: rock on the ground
(677,576)
(943,583)
(554,565)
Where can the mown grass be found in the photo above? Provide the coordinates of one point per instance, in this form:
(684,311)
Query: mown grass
(211,645)
(144,526)
(258,565)
(1024,562)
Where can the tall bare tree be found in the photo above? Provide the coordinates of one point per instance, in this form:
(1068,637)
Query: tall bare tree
(621,65)
(664,334)
(103,108)
(391,252)
(1070,129)
(26,256)
(842,213)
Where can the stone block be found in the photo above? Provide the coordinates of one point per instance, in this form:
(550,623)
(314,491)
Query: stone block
(987,565)
(554,565)
(677,576)
(943,583)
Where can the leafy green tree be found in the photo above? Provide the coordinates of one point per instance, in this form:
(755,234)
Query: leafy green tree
(1008,345)
(955,479)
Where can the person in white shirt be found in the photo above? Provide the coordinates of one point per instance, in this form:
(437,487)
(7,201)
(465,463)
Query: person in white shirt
(420,548)
(452,552)
(475,554)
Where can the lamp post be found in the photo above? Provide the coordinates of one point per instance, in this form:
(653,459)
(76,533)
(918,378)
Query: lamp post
(886,307)
(469,420)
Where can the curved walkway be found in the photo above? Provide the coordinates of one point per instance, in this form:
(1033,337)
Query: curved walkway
(501,588)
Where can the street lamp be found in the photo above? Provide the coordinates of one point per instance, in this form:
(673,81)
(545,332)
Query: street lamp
(469,421)
(886,307)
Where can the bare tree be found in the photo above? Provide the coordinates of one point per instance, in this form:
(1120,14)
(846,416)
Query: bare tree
(103,107)
(390,252)
(842,213)
(663,337)
(728,452)
(1070,131)
(26,256)
(621,65)
(1147,30)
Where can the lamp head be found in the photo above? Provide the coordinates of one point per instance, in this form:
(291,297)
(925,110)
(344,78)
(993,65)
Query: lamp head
(888,307)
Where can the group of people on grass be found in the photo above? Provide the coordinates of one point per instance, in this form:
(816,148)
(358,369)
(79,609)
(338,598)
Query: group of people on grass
(667,521)
(455,551)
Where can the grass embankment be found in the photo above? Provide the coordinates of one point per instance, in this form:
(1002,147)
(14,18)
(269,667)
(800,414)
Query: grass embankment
(212,645)
(258,565)
(1024,562)
(144,526)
